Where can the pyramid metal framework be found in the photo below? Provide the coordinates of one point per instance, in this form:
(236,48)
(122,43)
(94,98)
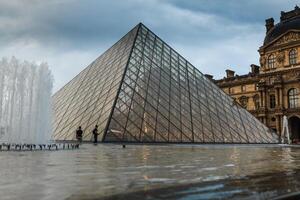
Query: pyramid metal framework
(141,90)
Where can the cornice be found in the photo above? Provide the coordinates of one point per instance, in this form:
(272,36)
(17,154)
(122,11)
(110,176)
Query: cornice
(262,48)
(284,46)
(248,79)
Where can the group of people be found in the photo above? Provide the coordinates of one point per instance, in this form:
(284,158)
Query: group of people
(79,134)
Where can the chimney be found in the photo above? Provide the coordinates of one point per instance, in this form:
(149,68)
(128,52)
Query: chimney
(282,16)
(254,69)
(210,77)
(229,73)
(269,24)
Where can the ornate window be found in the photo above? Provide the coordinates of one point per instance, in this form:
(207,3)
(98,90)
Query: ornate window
(293,56)
(293,97)
(231,90)
(243,88)
(272,101)
(273,119)
(243,101)
(271,80)
(271,61)
(256,101)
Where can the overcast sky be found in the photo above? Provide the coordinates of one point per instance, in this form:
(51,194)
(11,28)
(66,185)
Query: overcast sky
(69,34)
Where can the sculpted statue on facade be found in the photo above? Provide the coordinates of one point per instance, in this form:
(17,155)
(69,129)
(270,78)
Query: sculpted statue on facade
(280,58)
(262,61)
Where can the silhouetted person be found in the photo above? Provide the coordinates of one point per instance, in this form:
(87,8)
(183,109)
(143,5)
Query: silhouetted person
(79,133)
(95,133)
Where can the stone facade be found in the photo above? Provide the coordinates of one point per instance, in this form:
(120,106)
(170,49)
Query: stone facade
(271,90)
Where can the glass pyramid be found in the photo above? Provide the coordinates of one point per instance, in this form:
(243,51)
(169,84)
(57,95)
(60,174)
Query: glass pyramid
(141,90)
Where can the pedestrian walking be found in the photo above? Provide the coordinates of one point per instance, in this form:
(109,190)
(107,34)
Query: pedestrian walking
(95,133)
(79,134)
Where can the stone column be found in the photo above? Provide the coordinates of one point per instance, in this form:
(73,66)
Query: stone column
(261,99)
(265,99)
(277,96)
(278,124)
(281,98)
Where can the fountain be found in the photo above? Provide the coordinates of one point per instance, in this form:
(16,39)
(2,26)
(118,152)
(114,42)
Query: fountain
(25,103)
(285,134)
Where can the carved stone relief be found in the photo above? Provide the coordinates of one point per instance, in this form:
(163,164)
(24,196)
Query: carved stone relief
(262,61)
(297,75)
(243,101)
(280,57)
(278,79)
(288,38)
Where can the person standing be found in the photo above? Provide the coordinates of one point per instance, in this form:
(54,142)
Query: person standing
(79,134)
(95,133)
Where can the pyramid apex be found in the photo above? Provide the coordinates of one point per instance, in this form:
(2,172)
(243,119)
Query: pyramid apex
(140,24)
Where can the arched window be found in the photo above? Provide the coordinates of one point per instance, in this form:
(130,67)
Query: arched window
(243,88)
(272,101)
(293,56)
(256,101)
(271,61)
(293,97)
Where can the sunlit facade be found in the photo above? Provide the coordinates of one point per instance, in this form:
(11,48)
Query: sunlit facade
(271,91)
(141,90)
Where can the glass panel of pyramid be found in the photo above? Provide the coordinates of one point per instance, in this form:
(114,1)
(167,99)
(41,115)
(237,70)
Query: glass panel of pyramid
(141,90)
(88,98)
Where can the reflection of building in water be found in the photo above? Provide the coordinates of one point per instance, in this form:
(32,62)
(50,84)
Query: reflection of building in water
(271,90)
(141,90)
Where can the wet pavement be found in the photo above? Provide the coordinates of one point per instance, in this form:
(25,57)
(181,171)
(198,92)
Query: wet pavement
(108,171)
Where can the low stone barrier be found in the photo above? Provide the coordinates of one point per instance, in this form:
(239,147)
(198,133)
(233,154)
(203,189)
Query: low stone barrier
(38,147)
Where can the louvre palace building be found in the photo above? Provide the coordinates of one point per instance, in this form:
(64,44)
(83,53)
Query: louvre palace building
(271,90)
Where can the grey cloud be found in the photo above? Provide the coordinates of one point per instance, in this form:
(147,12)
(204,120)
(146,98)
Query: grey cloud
(69,34)
(85,23)
(239,10)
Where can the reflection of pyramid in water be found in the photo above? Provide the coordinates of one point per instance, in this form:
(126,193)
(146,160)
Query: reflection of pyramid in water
(141,90)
